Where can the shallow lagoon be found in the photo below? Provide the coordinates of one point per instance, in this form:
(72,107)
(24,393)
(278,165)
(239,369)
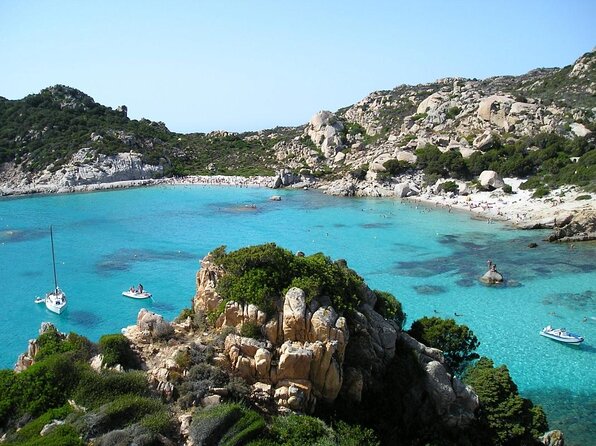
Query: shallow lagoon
(430,259)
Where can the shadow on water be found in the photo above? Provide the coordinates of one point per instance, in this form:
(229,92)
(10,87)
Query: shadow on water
(516,261)
(430,289)
(568,412)
(162,306)
(585,301)
(84,318)
(22,235)
(123,259)
(376,225)
(240,209)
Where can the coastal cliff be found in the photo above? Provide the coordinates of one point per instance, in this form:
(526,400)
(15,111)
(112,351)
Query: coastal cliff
(327,359)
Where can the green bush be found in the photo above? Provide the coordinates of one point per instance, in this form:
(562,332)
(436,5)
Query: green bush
(450,186)
(584,197)
(115,349)
(261,274)
(95,389)
(389,307)
(452,112)
(124,411)
(505,417)
(354,435)
(299,430)
(250,330)
(33,428)
(541,191)
(47,384)
(226,425)
(64,435)
(457,342)
(184,314)
(507,189)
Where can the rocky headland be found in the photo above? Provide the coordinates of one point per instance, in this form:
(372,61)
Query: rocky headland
(300,355)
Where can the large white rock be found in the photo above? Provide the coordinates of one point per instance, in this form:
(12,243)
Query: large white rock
(294,315)
(325,131)
(580,129)
(489,179)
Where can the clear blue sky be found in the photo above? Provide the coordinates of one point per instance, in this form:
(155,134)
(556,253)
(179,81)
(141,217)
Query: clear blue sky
(255,64)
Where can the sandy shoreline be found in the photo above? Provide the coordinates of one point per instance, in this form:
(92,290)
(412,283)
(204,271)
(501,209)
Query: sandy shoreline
(518,209)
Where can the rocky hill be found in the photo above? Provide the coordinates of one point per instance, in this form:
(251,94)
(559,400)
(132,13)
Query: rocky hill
(538,126)
(324,363)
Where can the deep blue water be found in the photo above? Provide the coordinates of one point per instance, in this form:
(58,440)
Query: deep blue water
(429,259)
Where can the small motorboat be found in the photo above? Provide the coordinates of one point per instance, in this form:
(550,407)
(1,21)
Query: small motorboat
(561,335)
(136,294)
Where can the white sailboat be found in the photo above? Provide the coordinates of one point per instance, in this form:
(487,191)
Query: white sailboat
(55,300)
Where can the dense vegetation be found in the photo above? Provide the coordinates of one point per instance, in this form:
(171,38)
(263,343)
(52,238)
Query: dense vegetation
(47,128)
(261,274)
(505,417)
(547,160)
(457,342)
(116,404)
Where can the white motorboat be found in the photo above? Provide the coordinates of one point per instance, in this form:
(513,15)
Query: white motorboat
(561,335)
(55,300)
(136,295)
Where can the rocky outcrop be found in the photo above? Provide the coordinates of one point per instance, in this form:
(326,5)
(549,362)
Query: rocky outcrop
(324,129)
(25,360)
(552,438)
(581,227)
(85,168)
(489,179)
(308,352)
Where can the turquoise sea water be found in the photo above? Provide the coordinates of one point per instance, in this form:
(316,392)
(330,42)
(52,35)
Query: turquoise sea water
(429,259)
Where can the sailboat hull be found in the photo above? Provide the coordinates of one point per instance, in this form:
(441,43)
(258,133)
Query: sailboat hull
(56,301)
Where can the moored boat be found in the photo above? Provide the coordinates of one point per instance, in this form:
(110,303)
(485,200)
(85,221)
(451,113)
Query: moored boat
(55,300)
(561,335)
(136,294)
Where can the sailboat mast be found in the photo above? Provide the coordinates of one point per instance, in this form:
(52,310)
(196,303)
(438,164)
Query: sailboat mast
(53,258)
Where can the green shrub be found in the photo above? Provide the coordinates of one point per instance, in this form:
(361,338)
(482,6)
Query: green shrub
(95,389)
(450,186)
(126,410)
(64,435)
(225,424)
(250,330)
(184,314)
(507,189)
(115,349)
(183,359)
(419,116)
(159,422)
(238,389)
(261,274)
(354,435)
(540,192)
(452,112)
(8,395)
(584,197)
(505,417)
(457,342)
(389,307)
(33,428)
(47,384)
(299,430)
(359,173)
